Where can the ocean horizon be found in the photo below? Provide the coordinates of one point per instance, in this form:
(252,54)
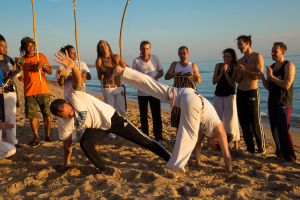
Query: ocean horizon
(207,89)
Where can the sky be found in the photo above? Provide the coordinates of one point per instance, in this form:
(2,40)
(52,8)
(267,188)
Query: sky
(205,27)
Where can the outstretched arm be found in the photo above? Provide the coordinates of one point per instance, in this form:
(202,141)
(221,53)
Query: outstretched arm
(70,64)
(197,149)
(221,134)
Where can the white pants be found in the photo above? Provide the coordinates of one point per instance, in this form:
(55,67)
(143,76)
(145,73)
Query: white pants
(10,100)
(227,112)
(115,98)
(6,150)
(192,111)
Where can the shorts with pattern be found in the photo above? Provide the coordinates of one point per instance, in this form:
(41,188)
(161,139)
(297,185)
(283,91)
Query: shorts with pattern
(31,103)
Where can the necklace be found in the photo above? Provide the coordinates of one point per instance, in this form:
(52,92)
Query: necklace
(248,57)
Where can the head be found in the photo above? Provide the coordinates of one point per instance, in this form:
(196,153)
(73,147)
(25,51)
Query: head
(3,46)
(145,48)
(213,143)
(183,53)
(61,108)
(104,48)
(244,42)
(229,56)
(27,46)
(278,51)
(71,51)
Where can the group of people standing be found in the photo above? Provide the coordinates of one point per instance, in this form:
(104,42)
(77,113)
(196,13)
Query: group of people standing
(79,111)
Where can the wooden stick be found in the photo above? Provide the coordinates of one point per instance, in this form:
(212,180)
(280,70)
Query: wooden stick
(76,36)
(121,61)
(36,45)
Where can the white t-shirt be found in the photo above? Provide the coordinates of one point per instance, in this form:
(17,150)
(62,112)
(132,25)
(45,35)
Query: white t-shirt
(90,112)
(187,69)
(68,81)
(150,68)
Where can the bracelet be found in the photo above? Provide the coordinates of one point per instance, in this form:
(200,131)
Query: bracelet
(44,66)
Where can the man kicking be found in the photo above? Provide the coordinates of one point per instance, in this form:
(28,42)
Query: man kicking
(81,110)
(195,107)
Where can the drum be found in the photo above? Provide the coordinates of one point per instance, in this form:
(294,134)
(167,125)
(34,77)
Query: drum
(184,81)
(181,81)
(13,77)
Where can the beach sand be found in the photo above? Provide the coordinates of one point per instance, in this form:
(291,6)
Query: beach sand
(136,173)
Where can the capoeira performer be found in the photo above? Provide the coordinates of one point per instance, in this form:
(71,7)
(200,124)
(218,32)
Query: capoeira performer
(198,115)
(81,110)
(196,109)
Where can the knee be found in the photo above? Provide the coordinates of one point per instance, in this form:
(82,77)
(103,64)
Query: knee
(84,143)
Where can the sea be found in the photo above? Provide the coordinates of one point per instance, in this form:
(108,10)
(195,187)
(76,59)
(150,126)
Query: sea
(207,89)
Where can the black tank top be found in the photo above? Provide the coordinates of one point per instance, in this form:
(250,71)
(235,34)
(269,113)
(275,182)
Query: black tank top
(223,88)
(277,95)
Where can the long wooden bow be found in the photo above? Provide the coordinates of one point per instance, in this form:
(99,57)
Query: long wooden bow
(79,63)
(36,45)
(121,32)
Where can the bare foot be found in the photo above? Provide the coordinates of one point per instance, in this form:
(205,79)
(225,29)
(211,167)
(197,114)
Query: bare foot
(236,145)
(118,71)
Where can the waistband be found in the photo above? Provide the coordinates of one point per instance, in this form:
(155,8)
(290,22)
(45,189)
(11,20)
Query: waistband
(112,86)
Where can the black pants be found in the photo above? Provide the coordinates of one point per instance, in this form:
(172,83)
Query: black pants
(122,127)
(156,115)
(280,124)
(249,117)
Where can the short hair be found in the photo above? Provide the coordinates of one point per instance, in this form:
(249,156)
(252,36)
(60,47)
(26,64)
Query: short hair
(183,47)
(281,45)
(67,47)
(145,42)
(2,38)
(245,38)
(55,106)
(232,53)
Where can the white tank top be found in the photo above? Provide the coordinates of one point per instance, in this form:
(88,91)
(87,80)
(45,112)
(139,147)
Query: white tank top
(187,69)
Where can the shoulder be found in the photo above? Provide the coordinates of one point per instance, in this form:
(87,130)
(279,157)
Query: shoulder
(154,56)
(117,56)
(194,66)
(258,56)
(42,55)
(290,65)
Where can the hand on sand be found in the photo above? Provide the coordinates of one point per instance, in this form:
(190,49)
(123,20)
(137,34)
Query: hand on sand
(118,71)
(65,60)
(6,126)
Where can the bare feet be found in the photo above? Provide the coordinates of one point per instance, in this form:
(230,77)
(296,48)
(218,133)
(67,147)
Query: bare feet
(118,71)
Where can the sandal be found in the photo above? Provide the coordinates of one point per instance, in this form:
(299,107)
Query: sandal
(34,142)
(49,139)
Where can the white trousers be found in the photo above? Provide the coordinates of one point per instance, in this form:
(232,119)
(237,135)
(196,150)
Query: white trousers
(191,109)
(6,150)
(227,112)
(115,98)
(10,100)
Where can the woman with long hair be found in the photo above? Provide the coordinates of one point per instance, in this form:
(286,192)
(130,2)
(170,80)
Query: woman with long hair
(224,97)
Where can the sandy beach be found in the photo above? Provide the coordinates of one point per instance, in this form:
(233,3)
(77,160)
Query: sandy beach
(136,173)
